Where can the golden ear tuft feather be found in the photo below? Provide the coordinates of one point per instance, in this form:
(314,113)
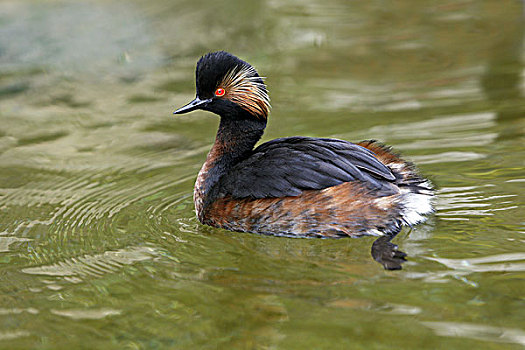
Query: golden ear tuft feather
(244,87)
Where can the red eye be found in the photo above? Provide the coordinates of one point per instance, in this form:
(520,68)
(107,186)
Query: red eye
(220,92)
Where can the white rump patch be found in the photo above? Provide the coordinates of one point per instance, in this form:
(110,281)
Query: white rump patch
(417,205)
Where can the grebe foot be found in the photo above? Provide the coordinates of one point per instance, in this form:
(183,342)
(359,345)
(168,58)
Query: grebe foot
(387,254)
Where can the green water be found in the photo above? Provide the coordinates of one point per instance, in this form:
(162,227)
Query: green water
(99,244)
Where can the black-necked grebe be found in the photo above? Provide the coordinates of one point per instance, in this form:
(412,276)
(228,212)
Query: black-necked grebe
(296,186)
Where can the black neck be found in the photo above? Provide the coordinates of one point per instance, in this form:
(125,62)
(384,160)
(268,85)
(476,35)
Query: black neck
(234,142)
(239,135)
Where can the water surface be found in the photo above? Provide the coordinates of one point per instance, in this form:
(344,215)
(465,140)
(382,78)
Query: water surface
(99,244)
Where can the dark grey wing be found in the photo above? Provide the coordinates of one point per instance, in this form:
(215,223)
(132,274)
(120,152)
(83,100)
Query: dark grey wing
(288,166)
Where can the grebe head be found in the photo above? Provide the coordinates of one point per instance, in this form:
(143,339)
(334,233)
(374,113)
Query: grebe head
(229,87)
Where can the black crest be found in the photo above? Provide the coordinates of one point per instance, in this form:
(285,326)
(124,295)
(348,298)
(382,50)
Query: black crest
(212,68)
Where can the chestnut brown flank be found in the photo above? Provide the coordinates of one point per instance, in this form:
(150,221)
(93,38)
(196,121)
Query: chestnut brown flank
(348,209)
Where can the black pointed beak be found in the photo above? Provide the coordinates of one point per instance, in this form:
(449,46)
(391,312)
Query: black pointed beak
(193,105)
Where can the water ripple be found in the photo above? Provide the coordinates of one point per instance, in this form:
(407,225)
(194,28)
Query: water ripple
(447,157)
(5,242)
(16,311)
(478,332)
(437,128)
(94,265)
(503,263)
(459,268)
(458,203)
(8,335)
(86,314)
